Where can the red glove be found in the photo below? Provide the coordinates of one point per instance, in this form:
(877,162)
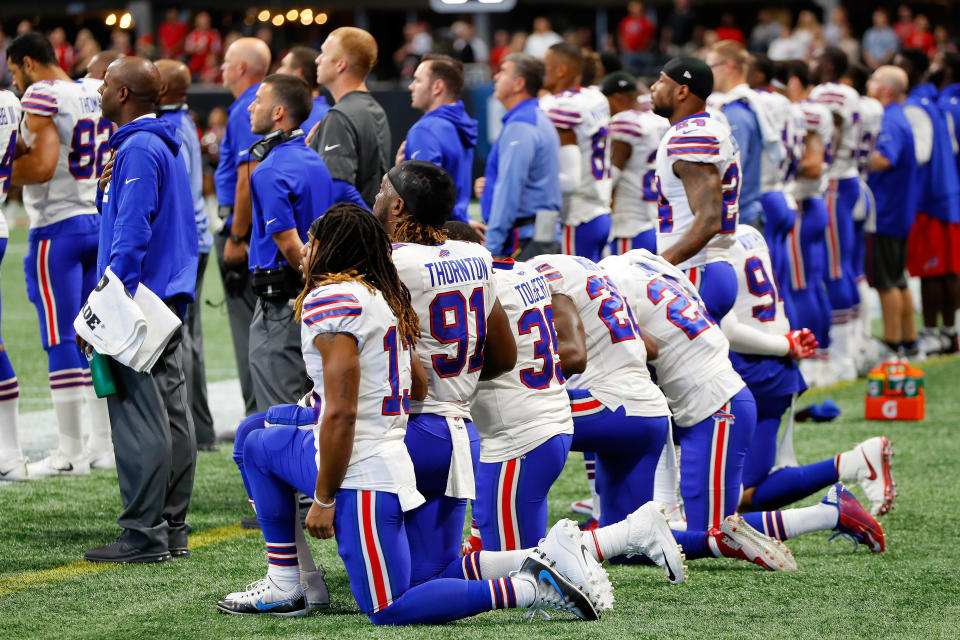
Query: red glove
(802,343)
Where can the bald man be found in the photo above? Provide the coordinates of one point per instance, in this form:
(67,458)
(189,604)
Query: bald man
(354,137)
(148,238)
(98,64)
(174,83)
(244,66)
(893,181)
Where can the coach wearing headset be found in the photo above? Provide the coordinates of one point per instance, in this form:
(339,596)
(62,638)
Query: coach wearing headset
(289,189)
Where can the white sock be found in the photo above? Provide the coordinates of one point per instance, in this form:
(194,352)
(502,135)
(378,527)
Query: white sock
(848,466)
(525,590)
(304,555)
(9,436)
(497,564)
(819,517)
(99,439)
(67,405)
(285,576)
(607,542)
(665,481)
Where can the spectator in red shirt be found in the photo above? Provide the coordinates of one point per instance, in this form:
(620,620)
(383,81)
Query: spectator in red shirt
(66,56)
(173,35)
(921,37)
(728,29)
(203,45)
(904,26)
(501,47)
(635,35)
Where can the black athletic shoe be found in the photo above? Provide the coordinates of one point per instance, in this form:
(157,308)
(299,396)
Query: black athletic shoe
(208,446)
(554,591)
(250,523)
(124,553)
(179,552)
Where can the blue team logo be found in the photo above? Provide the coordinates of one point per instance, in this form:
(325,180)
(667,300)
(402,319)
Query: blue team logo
(444,253)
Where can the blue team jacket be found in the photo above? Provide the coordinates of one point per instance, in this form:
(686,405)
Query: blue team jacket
(949,103)
(940,188)
(447,137)
(147,229)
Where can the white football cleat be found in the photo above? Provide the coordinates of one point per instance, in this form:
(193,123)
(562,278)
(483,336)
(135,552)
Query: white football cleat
(869,463)
(58,464)
(102,459)
(564,546)
(737,539)
(552,590)
(651,536)
(264,597)
(13,469)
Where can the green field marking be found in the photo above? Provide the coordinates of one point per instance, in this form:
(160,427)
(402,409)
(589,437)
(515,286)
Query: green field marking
(33,579)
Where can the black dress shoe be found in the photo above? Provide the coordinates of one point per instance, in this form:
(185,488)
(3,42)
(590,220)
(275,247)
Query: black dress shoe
(208,446)
(179,552)
(124,553)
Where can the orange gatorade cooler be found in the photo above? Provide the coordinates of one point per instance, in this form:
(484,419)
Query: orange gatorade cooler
(895,392)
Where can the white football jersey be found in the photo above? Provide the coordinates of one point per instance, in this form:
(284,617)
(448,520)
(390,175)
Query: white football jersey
(774,171)
(635,194)
(586,112)
(759,304)
(693,366)
(818,120)
(451,289)
(9,123)
(523,408)
(871,120)
(379,460)
(75,109)
(616,372)
(842,101)
(700,138)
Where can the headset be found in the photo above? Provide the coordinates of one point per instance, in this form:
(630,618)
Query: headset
(262,148)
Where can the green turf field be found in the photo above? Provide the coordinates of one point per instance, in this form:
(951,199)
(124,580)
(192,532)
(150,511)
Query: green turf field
(21,332)
(910,591)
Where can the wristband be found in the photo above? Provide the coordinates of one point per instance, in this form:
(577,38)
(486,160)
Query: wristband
(324,505)
(236,238)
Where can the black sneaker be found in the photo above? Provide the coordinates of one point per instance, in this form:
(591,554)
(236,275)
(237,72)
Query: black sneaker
(250,522)
(124,553)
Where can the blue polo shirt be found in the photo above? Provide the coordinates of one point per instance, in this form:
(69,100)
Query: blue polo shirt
(940,187)
(949,103)
(237,140)
(288,190)
(746,130)
(895,190)
(523,175)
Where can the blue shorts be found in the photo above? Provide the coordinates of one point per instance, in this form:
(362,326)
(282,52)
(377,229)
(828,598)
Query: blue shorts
(511,506)
(435,529)
(587,240)
(61,271)
(712,454)
(643,240)
(627,449)
(717,284)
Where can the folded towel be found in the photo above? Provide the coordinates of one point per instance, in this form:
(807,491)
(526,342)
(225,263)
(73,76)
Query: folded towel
(110,320)
(460,482)
(133,331)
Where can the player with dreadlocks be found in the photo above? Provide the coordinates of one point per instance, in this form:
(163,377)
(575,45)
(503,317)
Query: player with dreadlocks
(358,329)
